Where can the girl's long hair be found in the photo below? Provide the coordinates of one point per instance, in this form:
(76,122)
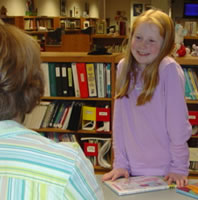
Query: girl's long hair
(150,73)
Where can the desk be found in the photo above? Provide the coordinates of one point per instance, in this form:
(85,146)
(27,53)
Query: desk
(157,195)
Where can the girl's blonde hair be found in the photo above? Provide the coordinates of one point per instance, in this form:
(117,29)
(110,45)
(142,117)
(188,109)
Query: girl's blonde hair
(150,74)
(21,76)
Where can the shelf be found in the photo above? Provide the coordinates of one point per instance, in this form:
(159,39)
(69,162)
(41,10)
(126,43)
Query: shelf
(193,172)
(106,36)
(76,56)
(189,101)
(76,99)
(101,170)
(59,130)
(191,37)
(187,60)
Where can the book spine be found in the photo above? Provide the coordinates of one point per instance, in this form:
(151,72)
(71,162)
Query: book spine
(100,79)
(64,80)
(76,83)
(48,115)
(188,89)
(193,82)
(58,80)
(108,80)
(52,79)
(91,79)
(82,78)
(45,69)
(70,80)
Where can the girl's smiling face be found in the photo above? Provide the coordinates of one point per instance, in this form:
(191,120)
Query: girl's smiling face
(146,43)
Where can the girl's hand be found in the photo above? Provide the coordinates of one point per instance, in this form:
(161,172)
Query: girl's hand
(114,174)
(180,179)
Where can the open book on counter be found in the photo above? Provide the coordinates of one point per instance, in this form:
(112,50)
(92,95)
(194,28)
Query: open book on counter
(138,184)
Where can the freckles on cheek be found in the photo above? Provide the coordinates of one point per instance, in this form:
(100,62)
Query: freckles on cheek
(134,45)
(154,49)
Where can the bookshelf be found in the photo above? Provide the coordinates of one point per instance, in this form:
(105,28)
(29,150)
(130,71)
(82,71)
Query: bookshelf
(191,62)
(14,20)
(114,43)
(73,57)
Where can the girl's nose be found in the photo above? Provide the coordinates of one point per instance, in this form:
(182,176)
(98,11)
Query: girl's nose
(144,43)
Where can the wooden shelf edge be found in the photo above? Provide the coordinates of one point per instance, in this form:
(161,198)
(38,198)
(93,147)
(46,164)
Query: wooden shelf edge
(59,130)
(187,60)
(77,99)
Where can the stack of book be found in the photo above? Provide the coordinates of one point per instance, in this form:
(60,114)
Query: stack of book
(77,79)
(71,115)
(97,150)
(191,85)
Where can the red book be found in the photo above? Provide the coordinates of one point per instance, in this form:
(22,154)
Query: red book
(91,149)
(82,78)
(193,117)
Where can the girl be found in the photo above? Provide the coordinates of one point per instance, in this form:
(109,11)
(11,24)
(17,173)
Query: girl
(151,126)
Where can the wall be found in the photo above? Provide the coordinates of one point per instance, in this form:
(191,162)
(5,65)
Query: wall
(14,7)
(96,7)
(50,7)
(177,8)
(164,5)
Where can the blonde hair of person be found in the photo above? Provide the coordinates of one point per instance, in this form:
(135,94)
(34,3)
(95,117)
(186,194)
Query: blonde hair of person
(150,73)
(21,76)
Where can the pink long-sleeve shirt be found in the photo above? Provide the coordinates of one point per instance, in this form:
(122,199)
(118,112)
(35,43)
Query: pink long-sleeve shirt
(151,139)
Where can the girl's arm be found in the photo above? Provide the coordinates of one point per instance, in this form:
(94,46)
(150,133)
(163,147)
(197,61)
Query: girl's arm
(120,155)
(178,126)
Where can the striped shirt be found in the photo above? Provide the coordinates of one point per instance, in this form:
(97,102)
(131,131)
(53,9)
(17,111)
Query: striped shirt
(34,167)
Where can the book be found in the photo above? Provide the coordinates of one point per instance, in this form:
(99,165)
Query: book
(100,79)
(188,86)
(75,78)
(91,80)
(190,190)
(190,72)
(52,78)
(48,115)
(64,80)
(58,79)
(70,81)
(108,80)
(34,119)
(138,184)
(45,69)
(82,79)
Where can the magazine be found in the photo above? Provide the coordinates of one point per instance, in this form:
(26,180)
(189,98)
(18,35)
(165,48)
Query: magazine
(190,190)
(138,184)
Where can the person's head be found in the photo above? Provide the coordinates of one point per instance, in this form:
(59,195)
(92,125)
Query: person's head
(151,39)
(21,76)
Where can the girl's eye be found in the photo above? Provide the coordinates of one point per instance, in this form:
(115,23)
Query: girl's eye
(138,37)
(151,41)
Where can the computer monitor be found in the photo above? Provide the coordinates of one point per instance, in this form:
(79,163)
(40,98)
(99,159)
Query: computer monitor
(191,10)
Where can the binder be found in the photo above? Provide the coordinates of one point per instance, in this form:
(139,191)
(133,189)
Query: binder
(76,82)
(100,78)
(45,68)
(91,79)
(52,79)
(82,78)
(58,79)
(88,118)
(64,80)
(108,80)
(70,80)
(103,115)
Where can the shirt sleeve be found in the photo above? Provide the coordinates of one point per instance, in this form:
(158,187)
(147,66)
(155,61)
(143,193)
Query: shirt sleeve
(120,155)
(178,126)
(82,183)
